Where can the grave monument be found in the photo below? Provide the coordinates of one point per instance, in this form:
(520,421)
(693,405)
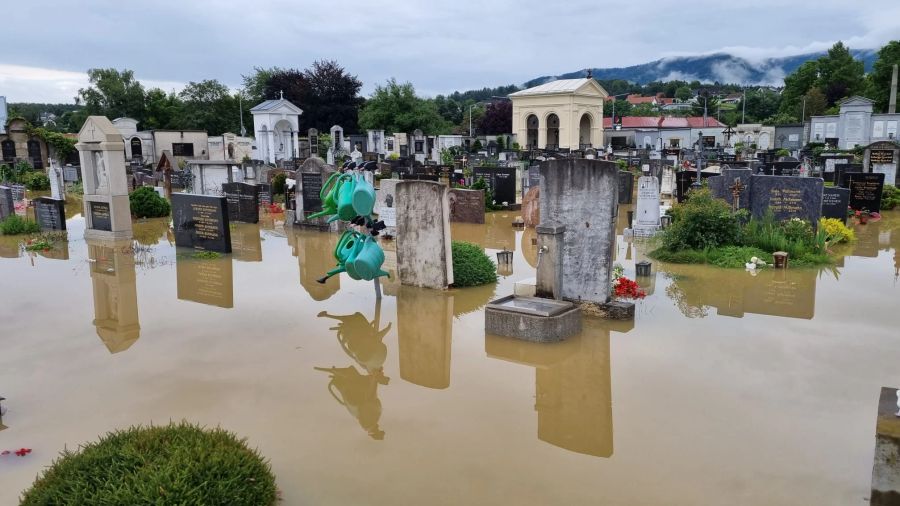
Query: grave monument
(107,211)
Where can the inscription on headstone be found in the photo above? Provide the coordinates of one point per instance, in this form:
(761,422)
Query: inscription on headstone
(787,197)
(201,222)
(100,217)
(500,180)
(265,194)
(835,202)
(243,202)
(865,190)
(71,173)
(311,185)
(50,213)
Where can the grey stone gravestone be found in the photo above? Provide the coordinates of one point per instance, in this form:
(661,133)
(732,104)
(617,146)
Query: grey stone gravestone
(71,174)
(787,197)
(7,204)
(243,202)
(835,202)
(716,186)
(626,186)
(18,192)
(865,190)
(50,213)
(201,222)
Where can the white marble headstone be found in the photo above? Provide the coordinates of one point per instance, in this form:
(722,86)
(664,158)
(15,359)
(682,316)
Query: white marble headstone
(646,219)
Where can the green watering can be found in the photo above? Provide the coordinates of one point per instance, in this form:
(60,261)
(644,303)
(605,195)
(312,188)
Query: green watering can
(357,255)
(363,197)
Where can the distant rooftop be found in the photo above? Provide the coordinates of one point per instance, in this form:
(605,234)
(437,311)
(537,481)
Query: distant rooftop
(558,86)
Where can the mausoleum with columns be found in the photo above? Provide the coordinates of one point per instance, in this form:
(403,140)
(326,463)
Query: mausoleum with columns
(566,113)
(276,127)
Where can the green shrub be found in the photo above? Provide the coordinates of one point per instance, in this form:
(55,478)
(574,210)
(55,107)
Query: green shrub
(792,236)
(685,256)
(16,225)
(278,183)
(471,265)
(35,181)
(736,256)
(701,222)
(146,203)
(175,464)
(890,197)
(782,152)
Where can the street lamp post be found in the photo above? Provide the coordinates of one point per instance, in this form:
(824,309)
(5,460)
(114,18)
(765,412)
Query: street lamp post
(697,183)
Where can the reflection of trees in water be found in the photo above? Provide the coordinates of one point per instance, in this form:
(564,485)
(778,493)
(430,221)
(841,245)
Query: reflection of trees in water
(471,299)
(362,341)
(680,298)
(149,231)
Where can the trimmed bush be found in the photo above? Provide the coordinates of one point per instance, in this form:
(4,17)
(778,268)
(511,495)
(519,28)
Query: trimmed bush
(471,266)
(890,197)
(35,181)
(146,203)
(16,225)
(701,222)
(278,183)
(174,464)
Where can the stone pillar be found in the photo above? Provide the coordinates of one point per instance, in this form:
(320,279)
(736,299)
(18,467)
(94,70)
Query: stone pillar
(583,195)
(550,258)
(542,135)
(424,256)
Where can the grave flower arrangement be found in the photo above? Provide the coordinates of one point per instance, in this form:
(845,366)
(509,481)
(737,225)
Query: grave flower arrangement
(624,288)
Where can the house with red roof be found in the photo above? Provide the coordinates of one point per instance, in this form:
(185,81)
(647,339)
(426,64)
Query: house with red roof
(657,132)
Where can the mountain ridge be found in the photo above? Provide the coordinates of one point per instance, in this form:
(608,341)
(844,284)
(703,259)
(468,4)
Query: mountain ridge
(723,68)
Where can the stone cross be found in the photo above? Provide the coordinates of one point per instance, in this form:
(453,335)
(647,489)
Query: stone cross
(736,190)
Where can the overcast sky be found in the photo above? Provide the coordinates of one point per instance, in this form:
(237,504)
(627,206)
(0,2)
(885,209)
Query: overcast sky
(438,46)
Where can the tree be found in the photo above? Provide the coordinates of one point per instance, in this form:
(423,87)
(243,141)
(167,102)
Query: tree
(255,83)
(840,74)
(112,93)
(162,110)
(816,103)
(209,106)
(780,119)
(760,103)
(706,102)
(796,85)
(449,109)
(497,119)
(878,82)
(395,107)
(683,93)
(327,94)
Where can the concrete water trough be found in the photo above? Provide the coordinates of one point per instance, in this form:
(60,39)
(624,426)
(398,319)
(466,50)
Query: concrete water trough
(532,318)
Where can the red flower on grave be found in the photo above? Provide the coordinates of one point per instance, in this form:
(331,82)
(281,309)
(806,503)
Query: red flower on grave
(21,452)
(628,289)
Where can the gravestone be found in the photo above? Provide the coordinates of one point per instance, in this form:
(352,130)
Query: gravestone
(385,205)
(243,202)
(835,202)
(716,186)
(265,194)
(50,213)
(626,186)
(500,180)
(71,174)
(882,157)
(865,190)
(311,177)
(18,192)
(831,163)
(313,137)
(466,206)
(646,219)
(684,180)
(106,207)
(841,170)
(337,139)
(7,204)
(582,196)
(201,222)
(424,257)
(787,197)
(57,185)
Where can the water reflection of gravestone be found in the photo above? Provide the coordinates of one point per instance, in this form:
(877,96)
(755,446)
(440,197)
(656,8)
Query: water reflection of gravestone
(106,207)
(208,281)
(315,256)
(573,390)
(246,243)
(115,293)
(425,343)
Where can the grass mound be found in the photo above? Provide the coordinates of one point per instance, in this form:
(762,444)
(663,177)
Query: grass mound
(174,464)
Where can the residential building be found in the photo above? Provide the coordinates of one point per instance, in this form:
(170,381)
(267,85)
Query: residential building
(566,113)
(652,132)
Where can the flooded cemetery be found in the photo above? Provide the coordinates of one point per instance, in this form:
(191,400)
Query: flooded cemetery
(759,385)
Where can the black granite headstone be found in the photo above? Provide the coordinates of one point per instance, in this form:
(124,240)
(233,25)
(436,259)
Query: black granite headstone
(500,180)
(265,194)
(100,216)
(684,180)
(729,179)
(311,185)
(201,222)
(787,197)
(7,204)
(835,202)
(865,190)
(626,186)
(50,213)
(243,202)
(841,170)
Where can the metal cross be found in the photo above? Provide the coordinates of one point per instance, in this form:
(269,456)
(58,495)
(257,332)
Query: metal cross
(736,190)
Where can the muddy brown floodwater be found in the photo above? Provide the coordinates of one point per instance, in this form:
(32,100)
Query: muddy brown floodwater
(726,389)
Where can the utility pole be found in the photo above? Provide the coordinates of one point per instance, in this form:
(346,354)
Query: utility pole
(744,107)
(241,107)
